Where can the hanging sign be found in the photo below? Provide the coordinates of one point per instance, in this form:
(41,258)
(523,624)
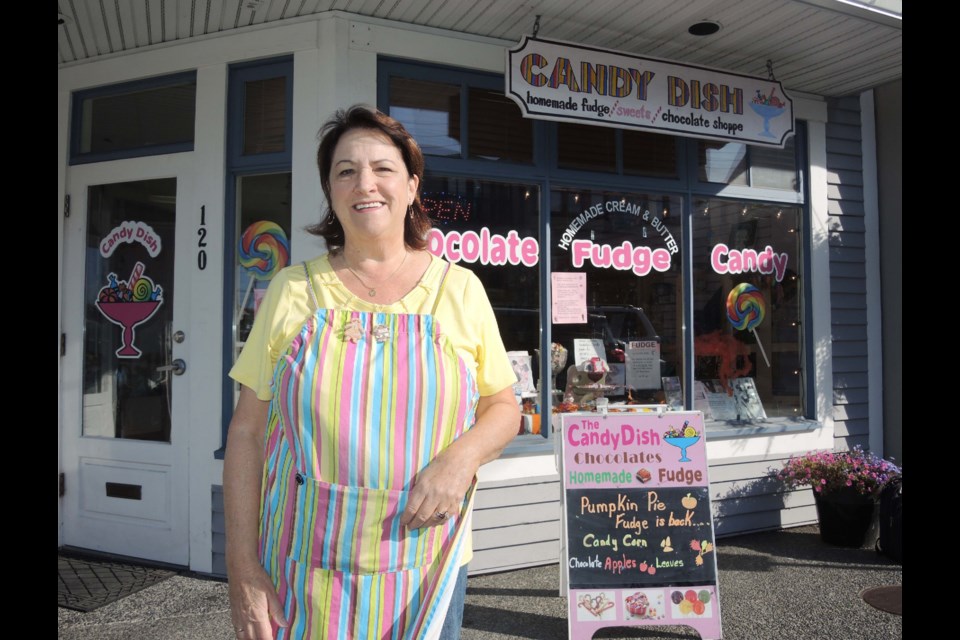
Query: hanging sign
(639,530)
(566,82)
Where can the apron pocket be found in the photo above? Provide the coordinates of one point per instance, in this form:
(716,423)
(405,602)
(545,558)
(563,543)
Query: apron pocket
(357,530)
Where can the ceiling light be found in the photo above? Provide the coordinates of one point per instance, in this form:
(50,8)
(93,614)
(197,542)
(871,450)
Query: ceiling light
(704,28)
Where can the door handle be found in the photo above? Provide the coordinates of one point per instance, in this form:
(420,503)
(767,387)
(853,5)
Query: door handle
(178,366)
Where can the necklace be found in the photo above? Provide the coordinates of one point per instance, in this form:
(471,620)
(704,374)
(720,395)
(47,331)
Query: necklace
(372,291)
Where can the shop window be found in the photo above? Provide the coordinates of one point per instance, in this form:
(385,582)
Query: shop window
(649,154)
(492,229)
(134,119)
(262,243)
(628,245)
(431,113)
(258,211)
(586,147)
(618,229)
(501,248)
(736,163)
(497,129)
(264,115)
(747,310)
(259,105)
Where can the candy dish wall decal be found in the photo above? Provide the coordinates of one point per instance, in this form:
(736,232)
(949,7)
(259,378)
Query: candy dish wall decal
(746,309)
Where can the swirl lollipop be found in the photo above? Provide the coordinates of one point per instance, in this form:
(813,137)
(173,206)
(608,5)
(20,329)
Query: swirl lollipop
(746,309)
(142,289)
(263,251)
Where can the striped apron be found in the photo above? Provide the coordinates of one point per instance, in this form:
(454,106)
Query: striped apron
(362,402)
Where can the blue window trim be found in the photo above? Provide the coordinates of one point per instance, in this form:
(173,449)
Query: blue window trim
(237,166)
(545,172)
(76,115)
(240,74)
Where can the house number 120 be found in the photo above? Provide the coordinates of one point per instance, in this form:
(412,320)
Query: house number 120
(202,239)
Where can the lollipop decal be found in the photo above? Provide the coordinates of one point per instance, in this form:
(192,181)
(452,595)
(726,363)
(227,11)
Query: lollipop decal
(263,251)
(746,309)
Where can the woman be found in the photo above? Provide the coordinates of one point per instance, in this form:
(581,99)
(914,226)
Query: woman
(374,383)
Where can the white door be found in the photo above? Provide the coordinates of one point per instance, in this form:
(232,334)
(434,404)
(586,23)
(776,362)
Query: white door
(126,370)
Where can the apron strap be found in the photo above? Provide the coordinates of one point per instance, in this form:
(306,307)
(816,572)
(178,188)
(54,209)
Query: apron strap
(443,281)
(313,293)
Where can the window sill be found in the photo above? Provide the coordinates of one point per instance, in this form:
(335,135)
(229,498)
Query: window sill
(730,430)
(528,445)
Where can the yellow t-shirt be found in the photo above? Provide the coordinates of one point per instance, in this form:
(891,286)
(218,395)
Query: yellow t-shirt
(464,314)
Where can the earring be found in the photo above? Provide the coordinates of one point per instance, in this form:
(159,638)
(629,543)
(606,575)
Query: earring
(410,211)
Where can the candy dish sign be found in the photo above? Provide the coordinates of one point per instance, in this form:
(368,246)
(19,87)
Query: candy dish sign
(561,81)
(639,531)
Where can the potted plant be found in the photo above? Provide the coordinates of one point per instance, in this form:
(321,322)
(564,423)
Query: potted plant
(845,485)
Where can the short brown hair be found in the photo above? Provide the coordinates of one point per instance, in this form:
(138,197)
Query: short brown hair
(415,225)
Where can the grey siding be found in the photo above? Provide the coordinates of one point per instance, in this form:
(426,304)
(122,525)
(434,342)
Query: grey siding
(218,530)
(848,284)
(516,523)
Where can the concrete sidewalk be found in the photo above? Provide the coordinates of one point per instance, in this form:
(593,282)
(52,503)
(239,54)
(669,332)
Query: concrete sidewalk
(776,585)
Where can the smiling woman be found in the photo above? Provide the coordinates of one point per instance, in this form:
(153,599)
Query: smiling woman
(357,413)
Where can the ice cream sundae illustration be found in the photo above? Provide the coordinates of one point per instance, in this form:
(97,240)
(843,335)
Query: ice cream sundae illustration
(685,436)
(768,108)
(128,304)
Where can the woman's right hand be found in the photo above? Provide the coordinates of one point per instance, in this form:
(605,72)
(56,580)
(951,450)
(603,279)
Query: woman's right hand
(254,605)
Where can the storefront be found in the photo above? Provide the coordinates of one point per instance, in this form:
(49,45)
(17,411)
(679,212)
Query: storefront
(626,241)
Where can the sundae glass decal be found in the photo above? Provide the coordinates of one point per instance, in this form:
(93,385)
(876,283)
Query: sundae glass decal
(768,108)
(129,304)
(683,438)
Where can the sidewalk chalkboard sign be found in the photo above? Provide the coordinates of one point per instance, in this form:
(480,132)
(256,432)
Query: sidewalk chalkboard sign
(639,531)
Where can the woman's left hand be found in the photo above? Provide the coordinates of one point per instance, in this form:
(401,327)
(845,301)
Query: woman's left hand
(438,490)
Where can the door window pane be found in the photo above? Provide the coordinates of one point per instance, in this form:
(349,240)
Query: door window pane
(129,310)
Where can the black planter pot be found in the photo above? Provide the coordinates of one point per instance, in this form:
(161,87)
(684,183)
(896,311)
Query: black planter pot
(845,516)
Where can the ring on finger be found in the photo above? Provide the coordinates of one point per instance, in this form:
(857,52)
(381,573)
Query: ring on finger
(441,515)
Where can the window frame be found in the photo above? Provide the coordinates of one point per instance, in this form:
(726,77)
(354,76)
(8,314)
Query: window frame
(238,165)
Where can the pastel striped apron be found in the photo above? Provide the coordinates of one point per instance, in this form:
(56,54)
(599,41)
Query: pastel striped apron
(362,402)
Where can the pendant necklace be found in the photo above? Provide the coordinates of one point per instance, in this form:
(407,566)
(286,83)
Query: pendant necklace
(372,291)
